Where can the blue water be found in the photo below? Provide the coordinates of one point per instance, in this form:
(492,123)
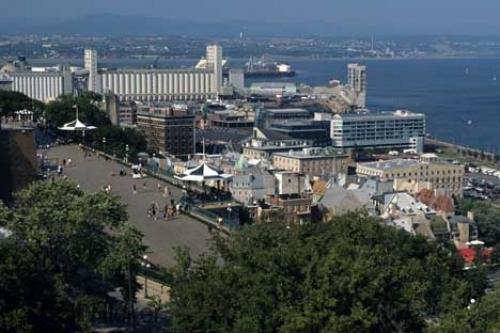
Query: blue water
(440,88)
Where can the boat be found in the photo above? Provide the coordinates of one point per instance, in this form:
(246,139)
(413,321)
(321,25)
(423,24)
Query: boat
(267,68)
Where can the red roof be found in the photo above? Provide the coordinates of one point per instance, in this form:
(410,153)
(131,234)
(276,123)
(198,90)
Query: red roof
(469,254)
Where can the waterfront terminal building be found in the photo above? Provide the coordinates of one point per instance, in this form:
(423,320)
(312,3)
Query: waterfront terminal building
(392,130)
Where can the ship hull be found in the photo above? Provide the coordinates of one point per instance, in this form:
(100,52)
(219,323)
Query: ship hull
(264,74)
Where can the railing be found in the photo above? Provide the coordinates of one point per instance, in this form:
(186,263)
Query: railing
(206,216)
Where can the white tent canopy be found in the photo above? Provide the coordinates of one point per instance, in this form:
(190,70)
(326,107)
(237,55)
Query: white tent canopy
(202,173)
(76,125)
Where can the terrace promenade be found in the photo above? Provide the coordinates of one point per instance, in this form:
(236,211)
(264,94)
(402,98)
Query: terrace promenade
(94,173)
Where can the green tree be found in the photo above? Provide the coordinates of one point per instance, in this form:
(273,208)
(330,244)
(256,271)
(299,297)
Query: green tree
(11,101)
(61,110)
(351,275)
(486,216)
(481,316)
(55,267)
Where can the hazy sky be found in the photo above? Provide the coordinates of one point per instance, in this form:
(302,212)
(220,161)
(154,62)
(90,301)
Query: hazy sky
(426,16)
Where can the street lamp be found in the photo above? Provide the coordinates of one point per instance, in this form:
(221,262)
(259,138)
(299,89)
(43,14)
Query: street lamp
(153,163)
(104,144)
(145,266)
(229,210)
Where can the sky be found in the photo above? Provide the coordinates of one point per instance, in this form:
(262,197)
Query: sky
(378,16)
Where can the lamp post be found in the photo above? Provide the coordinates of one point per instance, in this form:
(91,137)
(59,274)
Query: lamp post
(126,153)
(153,164)
(229,211)
(145,266)
(104,144)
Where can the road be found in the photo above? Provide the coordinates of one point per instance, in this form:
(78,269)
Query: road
(161,237)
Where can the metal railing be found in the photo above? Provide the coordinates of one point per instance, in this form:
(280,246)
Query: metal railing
(190,208)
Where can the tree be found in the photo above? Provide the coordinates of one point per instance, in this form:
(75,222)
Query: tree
(351,275)
(11,101)
(482,316)
(54,268)
(61,111)
(487,218)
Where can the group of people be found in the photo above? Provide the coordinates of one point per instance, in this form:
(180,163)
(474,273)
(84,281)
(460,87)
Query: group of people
(169,211)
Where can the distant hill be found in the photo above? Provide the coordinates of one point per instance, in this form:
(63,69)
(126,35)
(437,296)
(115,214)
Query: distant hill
(124,25)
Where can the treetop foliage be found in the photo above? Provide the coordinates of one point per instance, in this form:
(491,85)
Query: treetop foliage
(351,275)
(67,251)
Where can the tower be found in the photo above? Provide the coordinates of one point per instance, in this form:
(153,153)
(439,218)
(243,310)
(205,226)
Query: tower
(214,63)
(356,79)
(90,64)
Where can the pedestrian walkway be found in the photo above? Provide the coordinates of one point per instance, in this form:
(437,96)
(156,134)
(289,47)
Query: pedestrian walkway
(162,237)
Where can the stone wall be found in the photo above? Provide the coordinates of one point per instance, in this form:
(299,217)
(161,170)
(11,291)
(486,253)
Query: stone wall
(18,164)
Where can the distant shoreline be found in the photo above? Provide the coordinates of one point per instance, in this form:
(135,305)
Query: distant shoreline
(145,59)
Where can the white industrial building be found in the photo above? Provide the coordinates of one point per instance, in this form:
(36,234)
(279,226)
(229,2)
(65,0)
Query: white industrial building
(90,64)
(159,84)
(397,130)
(165,84)
(43,86)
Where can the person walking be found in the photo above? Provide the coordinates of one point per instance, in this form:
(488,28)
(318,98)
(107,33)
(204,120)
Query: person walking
(158,186)
(166,193)
(134,189)
(152,210)
(165,212)
(144,186)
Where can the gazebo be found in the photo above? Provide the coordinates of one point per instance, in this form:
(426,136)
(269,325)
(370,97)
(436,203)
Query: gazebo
(76,125)
(202,173)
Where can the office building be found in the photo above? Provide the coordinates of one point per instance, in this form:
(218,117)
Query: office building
(318,132)
(90,64)
(312,161)
(168,129)
(268,117)
(413,175)
(394,130)
(356,80)
(127,112)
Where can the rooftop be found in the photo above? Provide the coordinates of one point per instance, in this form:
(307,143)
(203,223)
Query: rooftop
(290,110)
(378,114)
(311,153)
(390,164)
(403,162)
